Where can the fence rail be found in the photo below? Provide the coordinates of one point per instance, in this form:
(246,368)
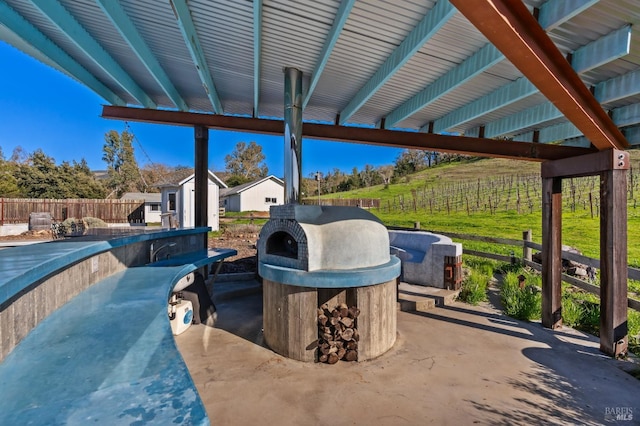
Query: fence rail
(527,245)
(17,210)
(365,203)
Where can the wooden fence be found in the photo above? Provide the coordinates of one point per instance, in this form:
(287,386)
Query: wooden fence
(365,203)
(527,245)
(17,210)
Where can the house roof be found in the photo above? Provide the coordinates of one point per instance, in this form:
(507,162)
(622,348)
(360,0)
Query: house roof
(148,197)
(487,69)
(179,179)
(240,188)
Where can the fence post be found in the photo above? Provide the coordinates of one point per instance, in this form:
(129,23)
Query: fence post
(526,251)
(416,225)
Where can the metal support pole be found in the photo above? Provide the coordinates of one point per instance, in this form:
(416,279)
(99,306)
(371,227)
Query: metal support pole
(552,252)
(292,134)
(613,263)
(201,176)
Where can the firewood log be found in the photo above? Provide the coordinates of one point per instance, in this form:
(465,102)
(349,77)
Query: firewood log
(351,355)
(334,320)
(320,311)
(344,312)
(323,358)
(347,322)
(354,312)
(356,335)
(322,319)
(341,353)
(352,345)
(347,335)
(332,350)
(342,306)
(335,313)
(333,358)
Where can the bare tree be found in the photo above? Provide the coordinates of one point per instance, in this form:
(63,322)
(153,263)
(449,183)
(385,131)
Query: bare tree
(245,163)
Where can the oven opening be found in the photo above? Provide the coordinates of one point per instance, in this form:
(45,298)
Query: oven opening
(282,244)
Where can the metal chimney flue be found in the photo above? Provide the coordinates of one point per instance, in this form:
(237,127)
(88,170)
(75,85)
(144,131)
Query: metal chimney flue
(292,135)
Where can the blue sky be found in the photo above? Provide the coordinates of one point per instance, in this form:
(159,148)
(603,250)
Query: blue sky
(43,108)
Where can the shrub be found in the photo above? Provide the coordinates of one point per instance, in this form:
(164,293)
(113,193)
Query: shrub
(525,303)
(474,288)
(633,321)
(571,312)
(481,265)
(94,222)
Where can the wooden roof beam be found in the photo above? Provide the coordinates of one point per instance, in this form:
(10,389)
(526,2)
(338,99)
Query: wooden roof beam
(411,140)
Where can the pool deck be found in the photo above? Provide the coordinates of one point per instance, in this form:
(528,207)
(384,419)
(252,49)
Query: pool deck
(456,364)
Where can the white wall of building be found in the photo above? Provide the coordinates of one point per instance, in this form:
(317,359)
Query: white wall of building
(185,204)
(262,196)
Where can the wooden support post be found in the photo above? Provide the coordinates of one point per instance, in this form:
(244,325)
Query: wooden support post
(526,251)
(551,252)
(201,176)
(613,263)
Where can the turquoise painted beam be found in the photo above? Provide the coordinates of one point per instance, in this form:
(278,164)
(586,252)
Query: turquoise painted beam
(499,98)
(590,56)
(192,41)
(618,88)
(613,46)
(554,13)
(474,65)
(66,23)
(22,29)
(625,116)
(426,28)
(128,31)
(632,134)
(507,126)
(338,24)
(257,55)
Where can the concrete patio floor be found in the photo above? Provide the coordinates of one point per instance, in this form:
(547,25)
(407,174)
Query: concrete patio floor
(455,365)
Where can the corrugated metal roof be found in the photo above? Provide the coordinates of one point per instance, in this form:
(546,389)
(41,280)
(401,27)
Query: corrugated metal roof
(293,35)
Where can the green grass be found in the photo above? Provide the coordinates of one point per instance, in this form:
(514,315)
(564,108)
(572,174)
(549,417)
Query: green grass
(521,303)
(579,229)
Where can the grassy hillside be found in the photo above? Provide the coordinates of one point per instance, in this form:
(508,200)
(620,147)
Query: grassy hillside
(501,198)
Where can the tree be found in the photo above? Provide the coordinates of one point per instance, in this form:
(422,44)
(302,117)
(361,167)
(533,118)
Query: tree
(84,183)
(8,182)
(245,163)
(410,161)
(386,172)
(122,168)
(38,177)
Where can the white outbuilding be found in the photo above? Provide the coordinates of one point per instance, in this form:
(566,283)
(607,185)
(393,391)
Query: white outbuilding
(258,195)
(178,202)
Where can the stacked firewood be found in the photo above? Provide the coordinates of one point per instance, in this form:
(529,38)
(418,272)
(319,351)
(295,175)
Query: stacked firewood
(337,333)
